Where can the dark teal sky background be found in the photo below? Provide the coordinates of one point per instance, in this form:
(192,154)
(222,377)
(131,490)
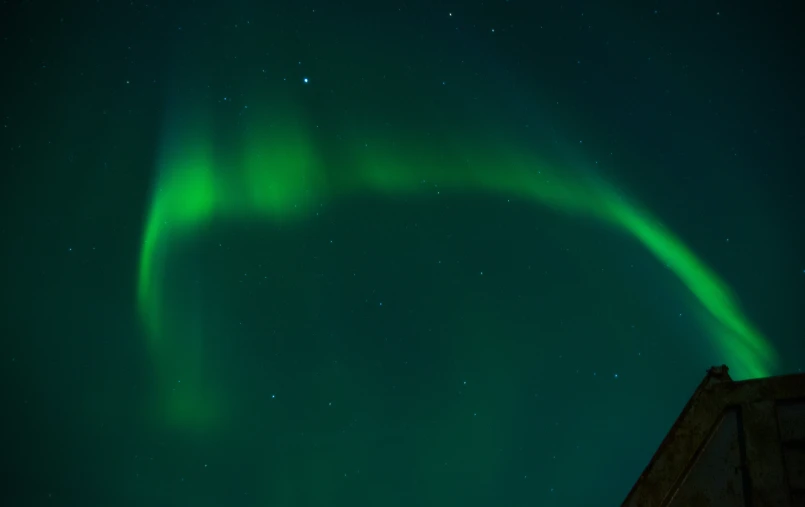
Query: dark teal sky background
(462,349)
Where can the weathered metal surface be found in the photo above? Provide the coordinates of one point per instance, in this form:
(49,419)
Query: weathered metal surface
(734,444)
(717,474)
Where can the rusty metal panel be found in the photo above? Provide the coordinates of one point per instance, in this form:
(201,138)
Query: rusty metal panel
(716,477)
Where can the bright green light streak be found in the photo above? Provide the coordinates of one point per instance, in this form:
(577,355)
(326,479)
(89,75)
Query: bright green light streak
(280,177)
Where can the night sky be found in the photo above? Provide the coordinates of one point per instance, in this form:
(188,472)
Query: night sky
(395,253)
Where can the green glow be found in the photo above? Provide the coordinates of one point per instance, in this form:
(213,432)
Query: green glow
(281,176)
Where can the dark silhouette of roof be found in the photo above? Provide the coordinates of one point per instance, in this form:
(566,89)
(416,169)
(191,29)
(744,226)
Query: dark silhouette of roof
(734,444)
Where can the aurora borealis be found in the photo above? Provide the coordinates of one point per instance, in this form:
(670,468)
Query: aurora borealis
(389,254)
(282,178)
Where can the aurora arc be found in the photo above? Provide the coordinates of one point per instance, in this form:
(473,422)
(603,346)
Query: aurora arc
(281,176)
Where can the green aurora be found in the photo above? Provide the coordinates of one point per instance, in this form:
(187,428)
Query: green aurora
(280,175)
